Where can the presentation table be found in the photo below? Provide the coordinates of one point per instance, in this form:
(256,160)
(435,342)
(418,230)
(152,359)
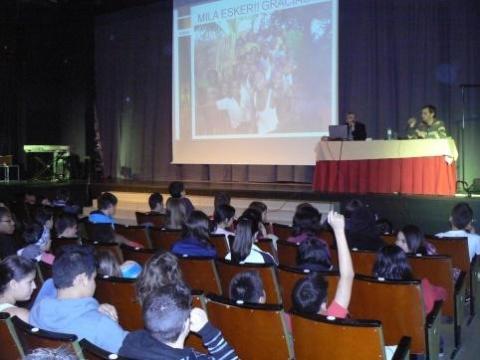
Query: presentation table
(424,167)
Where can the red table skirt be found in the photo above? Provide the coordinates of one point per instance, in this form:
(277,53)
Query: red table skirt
(421,175)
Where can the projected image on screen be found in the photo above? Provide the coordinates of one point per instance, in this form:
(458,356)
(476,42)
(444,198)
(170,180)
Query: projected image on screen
(251,69)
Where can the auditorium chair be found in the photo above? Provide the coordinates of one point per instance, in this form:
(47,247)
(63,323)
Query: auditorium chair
(91,229)
(139,255)
(389,239)
(287,253)
(137,233)
(152,219)
(457,249)
(289,276)
(57,243)
(194,340)
(221,245)
(227,270)
(120,292)
(438,270)
(32,338)
(363,261)
(255,331)
(93,352)
(164,238)
(319,337)
(11,348)
(200,273)
(267,246)
(328,237)
(398,305)
(282,231)
(113,248)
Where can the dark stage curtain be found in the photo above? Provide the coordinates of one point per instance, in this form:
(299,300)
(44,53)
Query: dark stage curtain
(394,57)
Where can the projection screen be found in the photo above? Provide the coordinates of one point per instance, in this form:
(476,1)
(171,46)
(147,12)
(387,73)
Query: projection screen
(254,81)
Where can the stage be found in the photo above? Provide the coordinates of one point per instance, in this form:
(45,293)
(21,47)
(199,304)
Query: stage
(430,212)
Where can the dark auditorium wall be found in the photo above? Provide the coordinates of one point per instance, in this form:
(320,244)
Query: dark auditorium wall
(395,56)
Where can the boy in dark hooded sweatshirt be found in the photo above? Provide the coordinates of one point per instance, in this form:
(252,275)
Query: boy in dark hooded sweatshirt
(168,319)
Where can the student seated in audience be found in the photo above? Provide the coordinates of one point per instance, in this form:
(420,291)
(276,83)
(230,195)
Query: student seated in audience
(34,236)
(362,232)
(107,265)
(412,240)
(244,250)
(176,214)
(223,220)
(160,270)
(257,218)
(7,228)
(195,240)
(29,198)
(309,295)
(155,202)
(177,191)
(247,286)
(168,319)
(313,255)
(17,282)
(392,264)
(221,198)
(107,206)
(461,220)
(384,226)
(306,224)
(262,209)
(70,307)
(62,200)
(303,205)
(66,226)
(60,353)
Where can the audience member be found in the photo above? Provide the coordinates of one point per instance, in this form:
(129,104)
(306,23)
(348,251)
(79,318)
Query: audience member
(461,220)
(17,282)
(221,198)
(392,264)
(62,200)
(108,265)
(60,353)
(34,236)
(411,240)
(362,233)
(384,226)
(29,198)
(155,202)
(177,191)
(306,224)
(160,270)
(176,214)
(256,217)
(168,320)
(248,287)
(310,294)
(313,255)
(195,240)
(223,220)
(73,310)
(267,231)
(243,250)
(66,226)
(7,228)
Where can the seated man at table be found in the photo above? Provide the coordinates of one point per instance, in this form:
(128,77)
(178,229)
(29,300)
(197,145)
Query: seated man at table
(429,128)
(356,130)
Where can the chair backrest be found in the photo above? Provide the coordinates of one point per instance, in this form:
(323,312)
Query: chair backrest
(11,348)
(200,273)
(93,352)
(120,292)
(287,253)
(141,256)
(57,243)
(163,238)
(32,338)
(289,276)
(227,270)
(221,244)
(389,239)
(138,233)
(438,270)
(157,220)
(93,228)
(282,231)
(254,331)
(318,337)
(456,248)
(194,340)
(398,305)
(267,246)
(110,247)
(328,236)
(363,261)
